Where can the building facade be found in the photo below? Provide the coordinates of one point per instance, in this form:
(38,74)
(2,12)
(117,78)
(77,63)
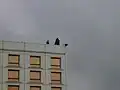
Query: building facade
(32,66)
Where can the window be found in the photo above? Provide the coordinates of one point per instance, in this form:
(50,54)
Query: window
(35,61)
(35,76)
(13,75)
(35,88)
(13,60)
(56,88)
(55,77)
(13,87)
(56,62)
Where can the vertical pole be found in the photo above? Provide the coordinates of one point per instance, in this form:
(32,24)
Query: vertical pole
(2,64)
(66,71)
(24,65)
(45,69)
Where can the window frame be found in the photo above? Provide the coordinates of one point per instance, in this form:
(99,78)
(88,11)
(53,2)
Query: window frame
(14,86)
(32,79)
(14,78)
(56,87)
(57,80)
(56,66)
(35,87)
(13,63)
(36,65)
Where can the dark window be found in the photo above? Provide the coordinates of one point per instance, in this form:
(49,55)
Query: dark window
(13,60)
(56,88)
(35,76)
(56,77)
(35,61)
(35,87)
(56,62)
(13,75)
(13,87)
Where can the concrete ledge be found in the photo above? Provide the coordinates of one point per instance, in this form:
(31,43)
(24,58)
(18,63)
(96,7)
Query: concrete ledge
(0,44)
(13,45)
(55,49)
(34,47)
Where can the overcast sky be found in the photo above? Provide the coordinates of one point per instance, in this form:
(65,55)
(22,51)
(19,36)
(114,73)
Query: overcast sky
(90,27)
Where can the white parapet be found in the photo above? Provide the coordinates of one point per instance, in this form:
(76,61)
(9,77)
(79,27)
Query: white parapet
(11,45)
(56,49)
(32,47)
(0,44)
(37,47)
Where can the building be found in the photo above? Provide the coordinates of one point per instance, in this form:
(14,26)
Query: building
(32,66)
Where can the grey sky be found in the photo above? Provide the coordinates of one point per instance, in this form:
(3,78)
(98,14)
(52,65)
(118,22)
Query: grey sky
(90,27)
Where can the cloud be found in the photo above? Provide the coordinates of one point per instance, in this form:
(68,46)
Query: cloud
(90,27)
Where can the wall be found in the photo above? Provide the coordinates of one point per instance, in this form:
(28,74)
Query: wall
(25,50)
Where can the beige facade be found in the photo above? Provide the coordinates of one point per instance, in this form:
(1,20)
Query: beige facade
(32,66)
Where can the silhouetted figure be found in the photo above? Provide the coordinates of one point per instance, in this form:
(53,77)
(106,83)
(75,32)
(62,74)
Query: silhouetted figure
(47,42)
(66,45)
(57,41)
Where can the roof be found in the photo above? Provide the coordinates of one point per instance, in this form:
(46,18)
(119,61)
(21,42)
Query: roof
(32,47)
